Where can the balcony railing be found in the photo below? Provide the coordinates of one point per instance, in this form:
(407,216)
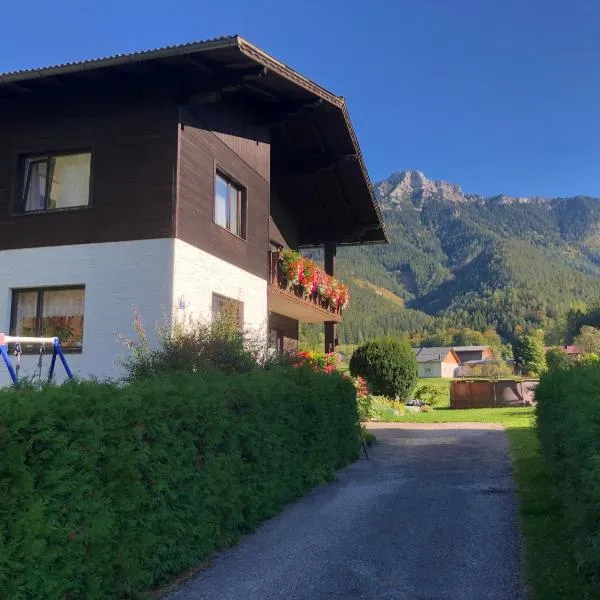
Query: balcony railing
(302,280)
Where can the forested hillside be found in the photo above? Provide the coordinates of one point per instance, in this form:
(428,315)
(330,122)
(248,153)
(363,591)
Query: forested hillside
(463,260)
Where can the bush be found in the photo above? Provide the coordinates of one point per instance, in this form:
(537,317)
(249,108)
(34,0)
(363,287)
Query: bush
(193,346)
(568,417)
(389,366)
(109,490)
(428,394)
(364,400)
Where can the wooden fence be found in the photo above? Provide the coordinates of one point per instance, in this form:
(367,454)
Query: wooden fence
(492,393)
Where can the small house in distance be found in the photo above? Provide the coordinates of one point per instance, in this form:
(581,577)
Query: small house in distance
(572,352)
(437,362)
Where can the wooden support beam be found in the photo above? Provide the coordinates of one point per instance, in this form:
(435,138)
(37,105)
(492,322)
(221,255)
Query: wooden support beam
(330,329)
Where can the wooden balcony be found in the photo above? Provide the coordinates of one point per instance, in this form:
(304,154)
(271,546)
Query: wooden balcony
(292,300)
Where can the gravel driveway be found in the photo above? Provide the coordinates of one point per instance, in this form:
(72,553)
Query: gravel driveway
(432,516)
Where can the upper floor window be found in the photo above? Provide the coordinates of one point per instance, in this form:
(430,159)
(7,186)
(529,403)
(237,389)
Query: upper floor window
(230,205)
(55,181)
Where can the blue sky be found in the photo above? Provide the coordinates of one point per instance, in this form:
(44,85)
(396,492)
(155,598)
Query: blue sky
(496,95)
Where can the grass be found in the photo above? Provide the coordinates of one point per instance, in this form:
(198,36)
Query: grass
(550,570)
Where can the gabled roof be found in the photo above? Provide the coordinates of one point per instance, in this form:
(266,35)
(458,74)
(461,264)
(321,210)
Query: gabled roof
(318,163)
(433,354)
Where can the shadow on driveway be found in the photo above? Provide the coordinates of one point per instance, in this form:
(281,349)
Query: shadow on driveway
(431,516)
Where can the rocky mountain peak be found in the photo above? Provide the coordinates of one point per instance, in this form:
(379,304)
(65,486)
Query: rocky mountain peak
(416,187)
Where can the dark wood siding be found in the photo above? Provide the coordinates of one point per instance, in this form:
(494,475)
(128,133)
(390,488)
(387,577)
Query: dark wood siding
(132,135)
(283,228)
(289,328)
(220,137)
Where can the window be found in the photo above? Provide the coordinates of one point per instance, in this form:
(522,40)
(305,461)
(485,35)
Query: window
(276,340)
(230,206)
(54,182)
(227,309)
(49,312)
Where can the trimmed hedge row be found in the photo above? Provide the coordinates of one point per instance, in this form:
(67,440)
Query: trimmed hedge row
(107,491)
(568,417)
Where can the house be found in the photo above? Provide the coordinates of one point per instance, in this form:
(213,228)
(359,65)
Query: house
(169,180)
(437,362)
(572,352)
(473,353)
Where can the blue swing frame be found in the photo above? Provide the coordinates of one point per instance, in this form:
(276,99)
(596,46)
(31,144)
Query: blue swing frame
(57,351)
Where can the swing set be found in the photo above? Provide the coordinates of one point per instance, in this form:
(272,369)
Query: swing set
(13,371)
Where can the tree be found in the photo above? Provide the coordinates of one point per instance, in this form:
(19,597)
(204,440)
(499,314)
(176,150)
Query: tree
(589,339)
(529,354)
(389,366)
(557,359)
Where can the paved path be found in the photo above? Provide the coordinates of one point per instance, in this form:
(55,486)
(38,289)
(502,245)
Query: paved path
(432,516)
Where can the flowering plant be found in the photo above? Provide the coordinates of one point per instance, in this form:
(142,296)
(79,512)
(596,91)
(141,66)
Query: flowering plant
(305,276)
(361,387)
(315,360)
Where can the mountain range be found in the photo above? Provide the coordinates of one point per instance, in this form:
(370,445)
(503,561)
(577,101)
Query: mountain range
(465,260)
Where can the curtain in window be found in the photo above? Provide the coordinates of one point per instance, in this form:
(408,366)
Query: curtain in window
(62,315)
(221,198)
(25,323)
(70,181)
(35,184)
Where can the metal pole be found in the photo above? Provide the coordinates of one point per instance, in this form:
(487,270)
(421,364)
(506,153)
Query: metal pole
(9,366)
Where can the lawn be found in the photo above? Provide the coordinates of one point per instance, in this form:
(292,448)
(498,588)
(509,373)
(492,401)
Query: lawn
(550,570)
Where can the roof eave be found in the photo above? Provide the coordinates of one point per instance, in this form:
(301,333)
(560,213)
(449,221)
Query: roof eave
(122,59)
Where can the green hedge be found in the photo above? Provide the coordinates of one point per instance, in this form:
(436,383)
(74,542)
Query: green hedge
(568,416)
(107,491)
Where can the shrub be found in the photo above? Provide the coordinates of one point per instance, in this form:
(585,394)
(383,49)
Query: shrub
(568,418)
(389,366)
(364,400)
(428,394)
(495,368)
(109,490)
(193,346)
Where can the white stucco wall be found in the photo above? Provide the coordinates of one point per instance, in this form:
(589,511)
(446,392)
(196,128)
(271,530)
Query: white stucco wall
(159,277)
(437,369)
(117,276)
(197,274)
(434,368)
(448,370)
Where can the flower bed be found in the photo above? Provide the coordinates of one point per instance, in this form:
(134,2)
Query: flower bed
(307,280)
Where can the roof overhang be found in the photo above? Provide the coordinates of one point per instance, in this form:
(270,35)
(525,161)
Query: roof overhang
(317,163)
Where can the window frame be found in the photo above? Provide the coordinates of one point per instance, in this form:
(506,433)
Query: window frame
(279,340)
(38,312)
(216,297)
(242,203)
(18,206)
